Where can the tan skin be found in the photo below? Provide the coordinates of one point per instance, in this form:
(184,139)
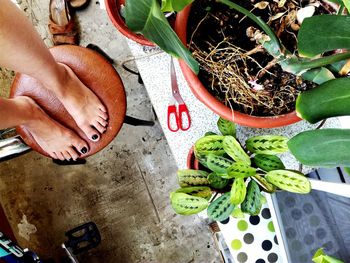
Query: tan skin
(30,56)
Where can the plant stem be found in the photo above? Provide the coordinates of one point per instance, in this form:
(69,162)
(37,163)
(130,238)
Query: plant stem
(256,19)
(320,62)
(340,10)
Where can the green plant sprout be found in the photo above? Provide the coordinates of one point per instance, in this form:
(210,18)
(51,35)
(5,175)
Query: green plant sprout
(321,257)
(238,173)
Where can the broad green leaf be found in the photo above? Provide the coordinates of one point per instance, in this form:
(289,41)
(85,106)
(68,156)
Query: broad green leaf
(321,257)
(210,144)
(209,133)
(267,187)
(216,181)
(291,181)
(146,17)
(239,170)
(174,5)
(322,148)
(218,164)
(233,148)
(189,177)
(318,75)
(268,162)
(238,191)
(221,208)
(347,170)
(252,203)
(267,144)
(226,127)
(331,99)
(319,34)
(200,191)
(237,212)
(185,204)
(347,4)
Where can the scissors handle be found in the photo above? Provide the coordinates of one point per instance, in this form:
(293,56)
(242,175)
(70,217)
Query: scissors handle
(172,118)
(183,115)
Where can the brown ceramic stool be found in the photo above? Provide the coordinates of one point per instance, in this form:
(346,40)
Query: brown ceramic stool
(97,74)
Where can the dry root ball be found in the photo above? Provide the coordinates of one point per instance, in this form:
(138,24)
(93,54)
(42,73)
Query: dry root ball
(234,66)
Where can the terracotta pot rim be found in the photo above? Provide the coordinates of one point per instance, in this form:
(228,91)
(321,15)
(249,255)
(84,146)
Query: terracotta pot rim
(202,94)
(118,22)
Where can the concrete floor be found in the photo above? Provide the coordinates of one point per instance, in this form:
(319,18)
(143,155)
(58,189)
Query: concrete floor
(124,189)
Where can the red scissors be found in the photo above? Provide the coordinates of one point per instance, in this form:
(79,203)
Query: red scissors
(178,116)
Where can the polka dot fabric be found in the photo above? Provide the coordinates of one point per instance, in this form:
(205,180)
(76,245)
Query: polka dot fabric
(252,239)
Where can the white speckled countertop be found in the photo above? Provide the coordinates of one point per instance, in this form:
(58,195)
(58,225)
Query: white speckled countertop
(155,72)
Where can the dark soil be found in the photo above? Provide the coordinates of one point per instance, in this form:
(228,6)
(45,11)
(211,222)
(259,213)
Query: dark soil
(235,77)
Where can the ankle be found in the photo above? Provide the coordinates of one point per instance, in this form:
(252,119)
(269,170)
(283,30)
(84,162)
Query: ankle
(31,111)
(57,82)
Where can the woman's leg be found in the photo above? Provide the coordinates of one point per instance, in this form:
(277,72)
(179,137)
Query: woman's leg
(22,50)
(56,140)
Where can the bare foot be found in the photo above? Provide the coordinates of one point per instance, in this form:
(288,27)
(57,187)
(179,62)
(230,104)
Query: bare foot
(82,104)
(58,141)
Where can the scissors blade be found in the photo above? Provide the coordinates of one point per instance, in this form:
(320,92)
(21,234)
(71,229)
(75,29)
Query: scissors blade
(174,86)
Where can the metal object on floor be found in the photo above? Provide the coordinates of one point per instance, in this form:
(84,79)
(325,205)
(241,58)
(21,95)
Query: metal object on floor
(178,116)
(80,240)
(10,252)
(12,147)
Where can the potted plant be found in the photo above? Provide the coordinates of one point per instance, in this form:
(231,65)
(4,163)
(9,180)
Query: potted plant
(116,12)
(114,8)
(237,173)
(278,70)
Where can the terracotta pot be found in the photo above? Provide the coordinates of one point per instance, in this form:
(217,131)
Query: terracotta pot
(211,102)
(113,8)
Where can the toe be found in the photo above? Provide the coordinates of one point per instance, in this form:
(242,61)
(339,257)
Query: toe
(53,155)
(103,115)
(73,154)
(103,108)
(91,133)
(66,155)
(60,156)
(80,146)
(99,127)
(102,122)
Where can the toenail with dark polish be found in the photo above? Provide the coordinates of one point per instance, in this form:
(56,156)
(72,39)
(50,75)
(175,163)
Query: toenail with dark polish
(94,137)
(84,150)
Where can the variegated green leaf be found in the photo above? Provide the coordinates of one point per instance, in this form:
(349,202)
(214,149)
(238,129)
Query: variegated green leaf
(221,208)
(238,191)
(237,212)
(267,144)
(218,164)
(252,203)
(209,133)
(268,162)
(209,144)
(217,181)
(185,204)
(239,170)
(200,191)
(189,177)
(291,181)
(270,188)
(235,150)
(226,127)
